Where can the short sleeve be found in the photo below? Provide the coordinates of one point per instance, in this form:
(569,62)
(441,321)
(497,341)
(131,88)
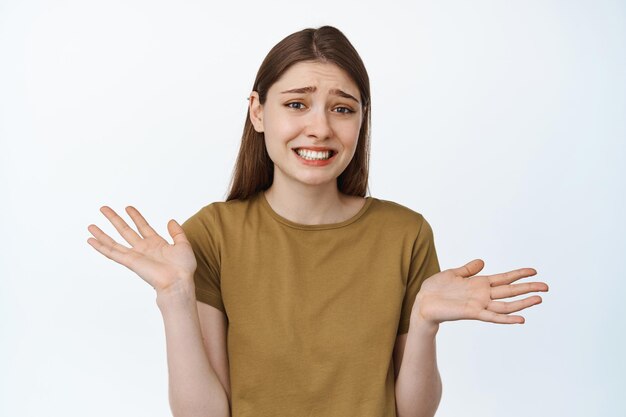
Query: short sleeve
(424,263)
(202,233)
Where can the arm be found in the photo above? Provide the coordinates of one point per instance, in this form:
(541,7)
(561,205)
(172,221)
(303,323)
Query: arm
(418,383)
(194,387)
(453,294)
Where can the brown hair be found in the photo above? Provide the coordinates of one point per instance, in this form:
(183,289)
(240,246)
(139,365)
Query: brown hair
(254,170)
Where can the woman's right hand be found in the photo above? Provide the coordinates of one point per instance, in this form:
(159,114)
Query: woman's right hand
(165,267)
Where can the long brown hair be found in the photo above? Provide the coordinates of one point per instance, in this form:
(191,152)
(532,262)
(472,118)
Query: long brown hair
(254,170)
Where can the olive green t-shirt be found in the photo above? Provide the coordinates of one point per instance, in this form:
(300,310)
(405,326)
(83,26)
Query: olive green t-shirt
(313,310)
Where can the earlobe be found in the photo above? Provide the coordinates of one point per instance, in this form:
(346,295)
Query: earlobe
(256,112)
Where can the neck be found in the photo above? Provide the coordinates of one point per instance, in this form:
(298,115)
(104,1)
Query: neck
(309,204)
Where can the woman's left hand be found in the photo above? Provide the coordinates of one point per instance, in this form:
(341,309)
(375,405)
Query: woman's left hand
(456,294)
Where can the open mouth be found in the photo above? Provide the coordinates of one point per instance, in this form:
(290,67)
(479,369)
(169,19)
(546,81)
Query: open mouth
(315,155)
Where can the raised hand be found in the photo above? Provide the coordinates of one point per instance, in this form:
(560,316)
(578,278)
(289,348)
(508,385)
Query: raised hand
(456,294)
(162,265)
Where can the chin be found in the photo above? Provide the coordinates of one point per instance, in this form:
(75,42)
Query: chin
(317,181)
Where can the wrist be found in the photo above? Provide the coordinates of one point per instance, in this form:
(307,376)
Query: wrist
(423,326)
(181,292)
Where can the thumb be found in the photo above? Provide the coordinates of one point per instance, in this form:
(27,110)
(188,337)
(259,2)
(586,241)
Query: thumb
(469,269)
(176,232)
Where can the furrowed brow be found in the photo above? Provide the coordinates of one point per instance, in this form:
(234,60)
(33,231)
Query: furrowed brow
(343,94)
(309,90)
(302,90)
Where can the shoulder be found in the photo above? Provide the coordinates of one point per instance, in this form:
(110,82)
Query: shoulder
(219,212)
(394,214)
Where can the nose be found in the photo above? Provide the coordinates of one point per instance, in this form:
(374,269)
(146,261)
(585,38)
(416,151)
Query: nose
(318,125)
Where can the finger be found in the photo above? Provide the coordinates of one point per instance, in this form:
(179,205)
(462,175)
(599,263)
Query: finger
(121,226)
(511,276)
(142,225)
(513,306)
(505,291)
(176,232)
(114,253)
(106,240)
(490,316)
(107,246)
(470,268)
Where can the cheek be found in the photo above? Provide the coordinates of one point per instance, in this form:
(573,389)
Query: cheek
(277,138)
(349,133)
(281,130)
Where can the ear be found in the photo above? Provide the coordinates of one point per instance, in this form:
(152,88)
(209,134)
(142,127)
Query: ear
(256,112)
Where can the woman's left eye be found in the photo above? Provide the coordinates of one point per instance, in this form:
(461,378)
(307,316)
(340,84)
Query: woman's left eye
(344,110)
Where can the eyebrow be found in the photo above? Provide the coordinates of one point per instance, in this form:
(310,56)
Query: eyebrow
(308,90)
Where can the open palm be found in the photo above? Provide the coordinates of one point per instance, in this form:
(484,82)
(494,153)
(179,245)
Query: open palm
(156,261)
(456,294)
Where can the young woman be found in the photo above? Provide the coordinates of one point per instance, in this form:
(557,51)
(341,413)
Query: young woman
(300,295)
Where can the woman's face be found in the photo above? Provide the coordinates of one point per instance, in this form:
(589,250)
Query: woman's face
(311,121)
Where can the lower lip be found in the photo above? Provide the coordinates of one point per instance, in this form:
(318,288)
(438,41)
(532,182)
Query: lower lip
(315,162)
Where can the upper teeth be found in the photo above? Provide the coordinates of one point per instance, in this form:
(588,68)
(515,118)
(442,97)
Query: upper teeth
(308,154)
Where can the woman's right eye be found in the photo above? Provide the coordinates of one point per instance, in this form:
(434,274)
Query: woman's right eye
(295,105)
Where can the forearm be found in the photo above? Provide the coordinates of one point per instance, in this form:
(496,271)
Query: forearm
(418,385)
(194,388)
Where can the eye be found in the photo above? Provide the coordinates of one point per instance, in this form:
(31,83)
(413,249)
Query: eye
(344,110)
(295,105)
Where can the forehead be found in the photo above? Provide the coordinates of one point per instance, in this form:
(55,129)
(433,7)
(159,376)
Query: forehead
(324,76)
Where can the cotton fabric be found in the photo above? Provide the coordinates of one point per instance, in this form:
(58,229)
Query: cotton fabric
(313,310)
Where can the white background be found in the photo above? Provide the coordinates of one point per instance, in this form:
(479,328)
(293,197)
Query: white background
(502,122)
